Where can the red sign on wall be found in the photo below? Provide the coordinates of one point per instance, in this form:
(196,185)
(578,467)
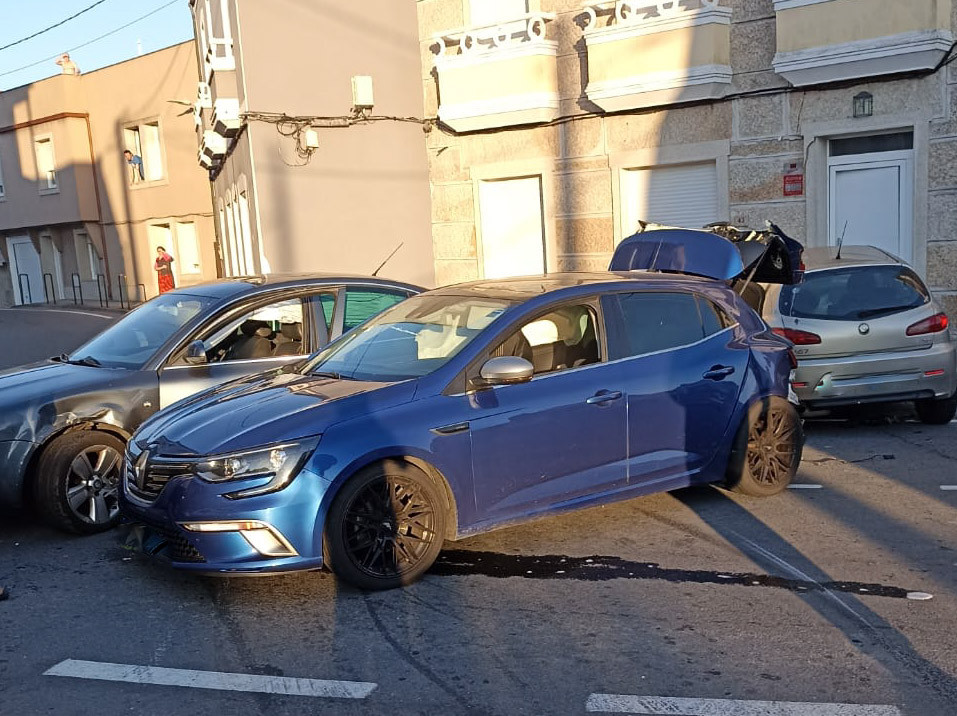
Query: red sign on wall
(793,185)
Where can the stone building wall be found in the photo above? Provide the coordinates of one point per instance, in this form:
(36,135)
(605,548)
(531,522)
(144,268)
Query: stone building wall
(753,139)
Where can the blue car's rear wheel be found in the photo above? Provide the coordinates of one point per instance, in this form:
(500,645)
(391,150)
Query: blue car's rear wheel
(385,527)
(767,449)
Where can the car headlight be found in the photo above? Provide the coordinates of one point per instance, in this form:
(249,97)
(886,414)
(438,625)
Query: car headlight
(280,463)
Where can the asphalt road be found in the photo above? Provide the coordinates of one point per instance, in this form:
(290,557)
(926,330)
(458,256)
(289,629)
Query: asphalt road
(745,606)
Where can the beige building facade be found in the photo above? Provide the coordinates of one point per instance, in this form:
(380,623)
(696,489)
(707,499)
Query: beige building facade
(76,218)
(302,181)
(564,123)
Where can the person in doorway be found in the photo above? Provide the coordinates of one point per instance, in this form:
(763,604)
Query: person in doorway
(136,166)
(164,270)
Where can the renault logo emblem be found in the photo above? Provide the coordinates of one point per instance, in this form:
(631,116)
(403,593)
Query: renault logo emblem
(864,329)
(139,470)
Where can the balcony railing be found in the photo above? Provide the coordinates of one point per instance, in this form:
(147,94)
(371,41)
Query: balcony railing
(500,75)
(823,41)
(649,53)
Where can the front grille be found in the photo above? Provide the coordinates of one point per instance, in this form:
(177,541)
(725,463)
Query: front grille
(156,475)
(179,549)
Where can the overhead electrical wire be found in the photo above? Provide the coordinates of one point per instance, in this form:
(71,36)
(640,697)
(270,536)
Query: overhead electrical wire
(51,27)
(90,42)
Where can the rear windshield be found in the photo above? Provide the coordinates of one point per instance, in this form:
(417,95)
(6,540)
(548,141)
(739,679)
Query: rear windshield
(854,294)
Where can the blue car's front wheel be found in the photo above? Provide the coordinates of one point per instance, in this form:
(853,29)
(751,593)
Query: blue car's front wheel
(385,527)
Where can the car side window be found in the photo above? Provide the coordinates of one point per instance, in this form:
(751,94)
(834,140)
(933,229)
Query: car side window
(328,303)
(653,321)
(562,339)
(268,331)
(713,318)
(364,303)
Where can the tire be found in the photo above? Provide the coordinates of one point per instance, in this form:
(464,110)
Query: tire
(385,527)
(767,449)
(76,482)
(936,411)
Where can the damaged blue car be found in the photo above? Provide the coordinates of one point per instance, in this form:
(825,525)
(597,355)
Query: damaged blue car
(477,406)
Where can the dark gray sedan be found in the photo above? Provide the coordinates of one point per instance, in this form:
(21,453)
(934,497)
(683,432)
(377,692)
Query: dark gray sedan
(64,422)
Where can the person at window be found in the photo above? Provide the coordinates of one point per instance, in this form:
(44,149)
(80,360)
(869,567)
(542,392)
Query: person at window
(136,166)
(164,270)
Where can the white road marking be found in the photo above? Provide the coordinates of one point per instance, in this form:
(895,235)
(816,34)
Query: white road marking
(61,310)
(218,680)
(663,705)
(804,486)
(948,488)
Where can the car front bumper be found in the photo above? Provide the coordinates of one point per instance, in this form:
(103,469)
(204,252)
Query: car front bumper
(878,377)
(293,517)
(14,458)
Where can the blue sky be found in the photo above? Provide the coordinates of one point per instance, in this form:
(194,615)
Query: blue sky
(20,18)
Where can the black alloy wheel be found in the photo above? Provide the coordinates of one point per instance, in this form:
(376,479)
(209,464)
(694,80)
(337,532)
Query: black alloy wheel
(767,455)
(77,482)
(385,528)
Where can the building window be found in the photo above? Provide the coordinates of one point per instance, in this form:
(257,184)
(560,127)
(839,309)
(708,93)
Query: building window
(46,163)
(512,227)
(492,12)
(143,151)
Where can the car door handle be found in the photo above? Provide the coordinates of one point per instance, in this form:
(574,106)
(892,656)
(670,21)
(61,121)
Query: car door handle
(604,396)
(719,372)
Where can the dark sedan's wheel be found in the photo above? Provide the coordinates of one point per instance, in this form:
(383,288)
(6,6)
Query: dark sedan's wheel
(936,411)
(767,449)
(385,527)
(76,483)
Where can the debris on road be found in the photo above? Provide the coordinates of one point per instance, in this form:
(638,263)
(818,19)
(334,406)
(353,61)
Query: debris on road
(4,594)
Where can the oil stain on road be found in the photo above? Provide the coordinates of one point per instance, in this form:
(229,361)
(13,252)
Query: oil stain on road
(458,562)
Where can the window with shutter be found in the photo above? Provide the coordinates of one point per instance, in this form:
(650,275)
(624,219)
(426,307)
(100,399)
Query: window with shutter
(683,195)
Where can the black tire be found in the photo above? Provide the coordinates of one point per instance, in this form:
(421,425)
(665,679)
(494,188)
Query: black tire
(767,449)
(936,411)
(385,527)
(76,482)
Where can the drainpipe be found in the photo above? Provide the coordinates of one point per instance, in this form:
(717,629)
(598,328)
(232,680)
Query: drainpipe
(96,181)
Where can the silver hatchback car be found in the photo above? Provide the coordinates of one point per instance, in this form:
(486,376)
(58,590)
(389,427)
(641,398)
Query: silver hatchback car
(866,330)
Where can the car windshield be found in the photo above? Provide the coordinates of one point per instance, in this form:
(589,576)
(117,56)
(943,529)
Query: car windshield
(132,341)
(854,294)
(413,339)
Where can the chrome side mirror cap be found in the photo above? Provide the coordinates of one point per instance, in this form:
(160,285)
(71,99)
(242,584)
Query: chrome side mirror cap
(196,353)
(505,370)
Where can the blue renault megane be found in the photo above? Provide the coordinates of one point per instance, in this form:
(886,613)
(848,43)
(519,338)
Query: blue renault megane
(471,407)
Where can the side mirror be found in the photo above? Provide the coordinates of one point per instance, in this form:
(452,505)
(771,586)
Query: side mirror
(196,353)
(505,370)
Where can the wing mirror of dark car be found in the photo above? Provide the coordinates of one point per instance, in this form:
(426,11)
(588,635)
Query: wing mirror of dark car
(196,353)
(504,370)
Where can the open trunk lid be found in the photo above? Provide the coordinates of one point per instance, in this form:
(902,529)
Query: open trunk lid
(719,251)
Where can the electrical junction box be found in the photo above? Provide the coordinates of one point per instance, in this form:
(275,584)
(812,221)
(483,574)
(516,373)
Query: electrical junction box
(310,138)
(362,97)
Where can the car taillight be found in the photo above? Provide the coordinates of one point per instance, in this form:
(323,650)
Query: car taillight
(934,324)
(798,338)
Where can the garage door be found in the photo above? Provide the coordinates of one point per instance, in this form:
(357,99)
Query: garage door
(681,195)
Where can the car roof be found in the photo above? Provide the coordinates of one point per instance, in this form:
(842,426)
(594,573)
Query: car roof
(523,288)
(825,257)
(235,287)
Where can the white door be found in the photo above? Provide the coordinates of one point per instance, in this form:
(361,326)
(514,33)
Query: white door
(25,270)
(512,227)
(872,201)
(683,195)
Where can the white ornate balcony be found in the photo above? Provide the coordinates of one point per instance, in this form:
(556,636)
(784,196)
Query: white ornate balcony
(499,75)
(832,40)
(225,117)
(648,53)
(213,146)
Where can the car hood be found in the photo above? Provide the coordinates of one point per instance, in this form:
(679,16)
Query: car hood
(263,410)
(26,389)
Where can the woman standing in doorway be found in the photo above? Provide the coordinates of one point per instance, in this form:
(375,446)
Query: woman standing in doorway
(164,270)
